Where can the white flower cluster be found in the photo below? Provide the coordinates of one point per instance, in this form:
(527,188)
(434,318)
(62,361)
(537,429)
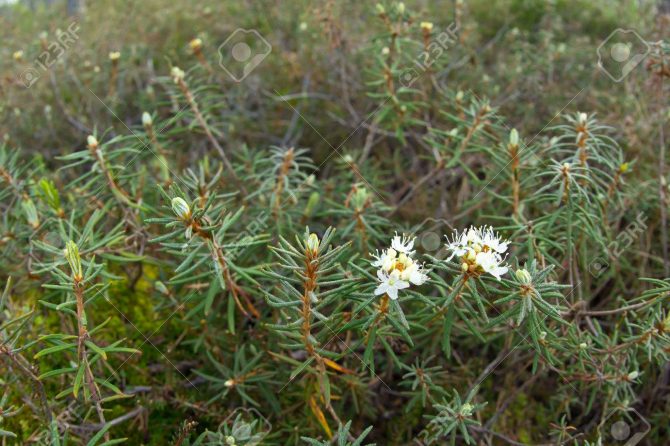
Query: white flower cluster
(397,267)
(481,250)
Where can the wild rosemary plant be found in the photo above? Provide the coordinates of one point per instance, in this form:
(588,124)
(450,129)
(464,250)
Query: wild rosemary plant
(197,265)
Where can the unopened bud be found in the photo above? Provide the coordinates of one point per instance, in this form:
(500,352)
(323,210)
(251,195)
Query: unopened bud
(177,74)
(92,142)
(623,168)
(582,118)
(523,276)
(514,137)
(632,376)
(466,409)
(313,243)
(312,203)
(160,286)
(147,121)
(195,44)
(465,267)
(427,26)
(72,256)
(31,212)
(181,208)
(114,56)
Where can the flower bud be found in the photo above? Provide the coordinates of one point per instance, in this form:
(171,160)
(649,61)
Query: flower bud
(177,74)
(380,8)
(160,286)
(31,212)
(583,346)
(466,409)
(514,137)
(582,118)
(427,26)
(72,256)
(465,267)
(114,56)
(92,142)
(385,51)
(195,44)
(312,203)
(18,55)
(181,208)
(632,376)
(401,7)
(313,243)
(147,121)
(523,276)
(230,440)
(623,168)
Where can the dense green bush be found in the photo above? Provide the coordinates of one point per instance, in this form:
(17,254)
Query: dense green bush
(411,223)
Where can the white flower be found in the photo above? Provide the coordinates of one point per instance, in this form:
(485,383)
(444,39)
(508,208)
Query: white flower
(397,267)
(480,250)
(390,284)
(403,244)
